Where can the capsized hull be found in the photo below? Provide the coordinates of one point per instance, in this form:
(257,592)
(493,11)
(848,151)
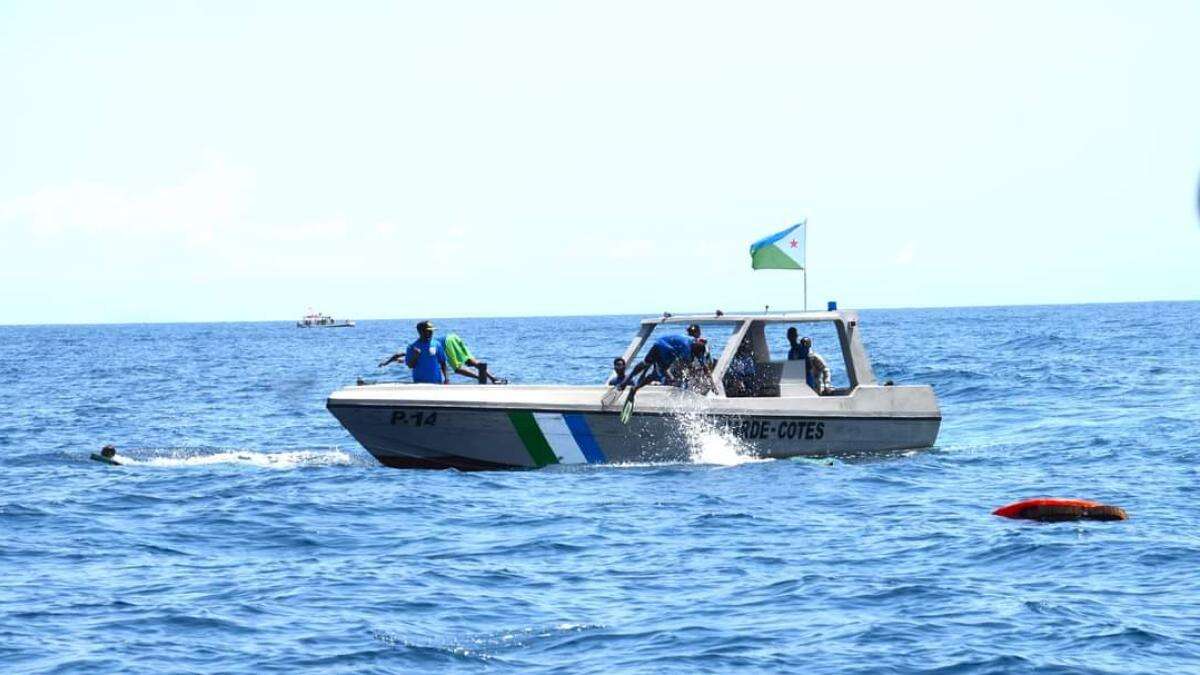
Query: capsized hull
(440,434)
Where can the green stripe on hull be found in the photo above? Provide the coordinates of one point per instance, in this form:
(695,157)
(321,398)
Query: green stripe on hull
(535,442)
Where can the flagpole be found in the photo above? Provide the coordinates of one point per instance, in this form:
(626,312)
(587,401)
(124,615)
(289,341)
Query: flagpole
(805,233)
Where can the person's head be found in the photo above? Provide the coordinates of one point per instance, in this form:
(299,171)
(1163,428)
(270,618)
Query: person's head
(425,329)
(108,451)
(619,364)
(792,334)
(694,330)
(806,342)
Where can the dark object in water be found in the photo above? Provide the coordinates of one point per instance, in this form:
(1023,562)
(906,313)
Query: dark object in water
(106,455)
(1051,510)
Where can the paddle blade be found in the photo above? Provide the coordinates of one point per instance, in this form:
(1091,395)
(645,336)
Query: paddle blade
(627,411)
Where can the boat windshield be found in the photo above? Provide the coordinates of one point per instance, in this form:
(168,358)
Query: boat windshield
(759,365)
(715,335)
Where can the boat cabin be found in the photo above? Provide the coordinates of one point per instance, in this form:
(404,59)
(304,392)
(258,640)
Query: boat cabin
(762,341)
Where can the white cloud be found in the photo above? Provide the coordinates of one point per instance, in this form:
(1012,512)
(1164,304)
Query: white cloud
(198,227)
(200,204)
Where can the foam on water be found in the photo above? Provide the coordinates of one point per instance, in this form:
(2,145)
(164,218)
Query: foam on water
(182,457)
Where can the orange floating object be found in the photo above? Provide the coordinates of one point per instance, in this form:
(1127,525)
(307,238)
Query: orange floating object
(1051,510)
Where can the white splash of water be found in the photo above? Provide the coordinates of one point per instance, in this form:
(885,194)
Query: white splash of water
(713,444)
(709,442)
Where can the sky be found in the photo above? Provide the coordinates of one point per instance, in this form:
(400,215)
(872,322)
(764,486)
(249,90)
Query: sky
(238,161)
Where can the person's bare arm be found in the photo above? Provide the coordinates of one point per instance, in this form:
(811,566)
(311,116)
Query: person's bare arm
(398,357)
(637,370)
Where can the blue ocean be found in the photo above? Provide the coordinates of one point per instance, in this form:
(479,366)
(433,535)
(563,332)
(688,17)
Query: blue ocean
(250,533)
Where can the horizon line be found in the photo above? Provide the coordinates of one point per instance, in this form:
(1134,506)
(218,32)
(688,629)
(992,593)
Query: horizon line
(568,316)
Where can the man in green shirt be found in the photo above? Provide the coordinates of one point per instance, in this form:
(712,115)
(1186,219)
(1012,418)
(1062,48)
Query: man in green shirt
(460,357)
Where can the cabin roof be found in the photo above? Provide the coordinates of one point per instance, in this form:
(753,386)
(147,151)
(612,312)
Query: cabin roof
(782,317)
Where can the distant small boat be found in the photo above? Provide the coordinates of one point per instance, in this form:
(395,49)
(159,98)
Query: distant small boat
(318,320)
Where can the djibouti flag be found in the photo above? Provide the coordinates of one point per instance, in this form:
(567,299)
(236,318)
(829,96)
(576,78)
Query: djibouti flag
(780,251)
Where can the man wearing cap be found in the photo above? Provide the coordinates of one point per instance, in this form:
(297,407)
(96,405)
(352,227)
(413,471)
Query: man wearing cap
(458,358)
(693,331)
(427,358)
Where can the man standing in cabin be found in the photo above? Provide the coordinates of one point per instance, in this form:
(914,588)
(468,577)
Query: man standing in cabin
(796,351)
(665,352)
(426,357)
(816,369)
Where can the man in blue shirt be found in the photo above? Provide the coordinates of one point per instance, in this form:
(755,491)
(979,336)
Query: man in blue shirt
(663,353)
(796,350)
(427,358)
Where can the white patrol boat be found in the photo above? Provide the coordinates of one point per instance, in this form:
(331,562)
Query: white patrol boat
(764,402)
(318,320)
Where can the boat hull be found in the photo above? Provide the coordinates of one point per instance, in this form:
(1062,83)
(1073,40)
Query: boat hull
(440,437)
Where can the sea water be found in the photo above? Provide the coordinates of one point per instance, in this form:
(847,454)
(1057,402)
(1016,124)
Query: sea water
(250,533)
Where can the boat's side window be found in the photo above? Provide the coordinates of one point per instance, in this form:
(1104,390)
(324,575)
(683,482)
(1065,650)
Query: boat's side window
(825,345)
(745,374)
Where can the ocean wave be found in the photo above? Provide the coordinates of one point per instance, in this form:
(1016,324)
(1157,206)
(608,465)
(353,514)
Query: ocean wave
(202,556)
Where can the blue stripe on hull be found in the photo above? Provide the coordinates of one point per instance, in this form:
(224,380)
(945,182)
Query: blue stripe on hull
(583,437)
